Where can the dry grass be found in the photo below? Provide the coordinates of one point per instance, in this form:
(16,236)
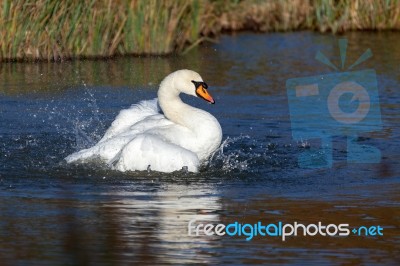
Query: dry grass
(321,15)
(56,30)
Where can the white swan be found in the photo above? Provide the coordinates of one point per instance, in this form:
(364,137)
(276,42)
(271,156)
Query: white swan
(142,137)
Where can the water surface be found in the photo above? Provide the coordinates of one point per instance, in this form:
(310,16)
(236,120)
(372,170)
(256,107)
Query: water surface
(53,213)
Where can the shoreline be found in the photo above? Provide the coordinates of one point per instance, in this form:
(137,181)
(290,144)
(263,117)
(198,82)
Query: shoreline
(46,30)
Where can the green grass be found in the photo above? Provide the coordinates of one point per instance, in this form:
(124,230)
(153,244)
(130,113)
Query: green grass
(56,30)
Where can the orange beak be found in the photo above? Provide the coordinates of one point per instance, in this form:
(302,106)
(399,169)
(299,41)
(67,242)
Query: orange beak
(202,92)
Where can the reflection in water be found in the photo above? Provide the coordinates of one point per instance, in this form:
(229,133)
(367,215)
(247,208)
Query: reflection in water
(51,78)
(148,224)
(144,225)
(51,213)
(351,250)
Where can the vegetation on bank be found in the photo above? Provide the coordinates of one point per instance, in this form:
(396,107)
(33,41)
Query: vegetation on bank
(57,30)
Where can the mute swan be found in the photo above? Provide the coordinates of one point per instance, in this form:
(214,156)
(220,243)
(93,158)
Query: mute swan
(145,137)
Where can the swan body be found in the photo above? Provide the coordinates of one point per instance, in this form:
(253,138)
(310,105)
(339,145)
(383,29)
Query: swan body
(164,134)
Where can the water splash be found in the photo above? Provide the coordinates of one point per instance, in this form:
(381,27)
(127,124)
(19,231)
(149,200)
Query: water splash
(88,128)
(244,154)
(230,160)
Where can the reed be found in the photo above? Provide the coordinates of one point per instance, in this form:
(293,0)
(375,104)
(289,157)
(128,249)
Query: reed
(322,15)
(57,30)
(344,15)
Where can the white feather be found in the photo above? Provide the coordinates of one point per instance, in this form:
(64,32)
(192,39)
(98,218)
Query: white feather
(142,137)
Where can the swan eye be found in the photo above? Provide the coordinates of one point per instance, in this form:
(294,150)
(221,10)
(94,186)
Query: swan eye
(197,84)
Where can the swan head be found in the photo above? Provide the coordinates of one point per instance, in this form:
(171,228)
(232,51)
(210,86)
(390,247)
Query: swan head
(190,82)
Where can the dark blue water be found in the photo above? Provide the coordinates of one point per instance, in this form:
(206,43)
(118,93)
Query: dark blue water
(53,213)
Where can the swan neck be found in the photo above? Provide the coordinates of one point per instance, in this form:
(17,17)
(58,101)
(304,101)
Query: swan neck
(172,105)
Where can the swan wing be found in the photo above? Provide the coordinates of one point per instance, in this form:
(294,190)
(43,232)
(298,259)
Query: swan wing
(139,112)
(141,136)
(128,123)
